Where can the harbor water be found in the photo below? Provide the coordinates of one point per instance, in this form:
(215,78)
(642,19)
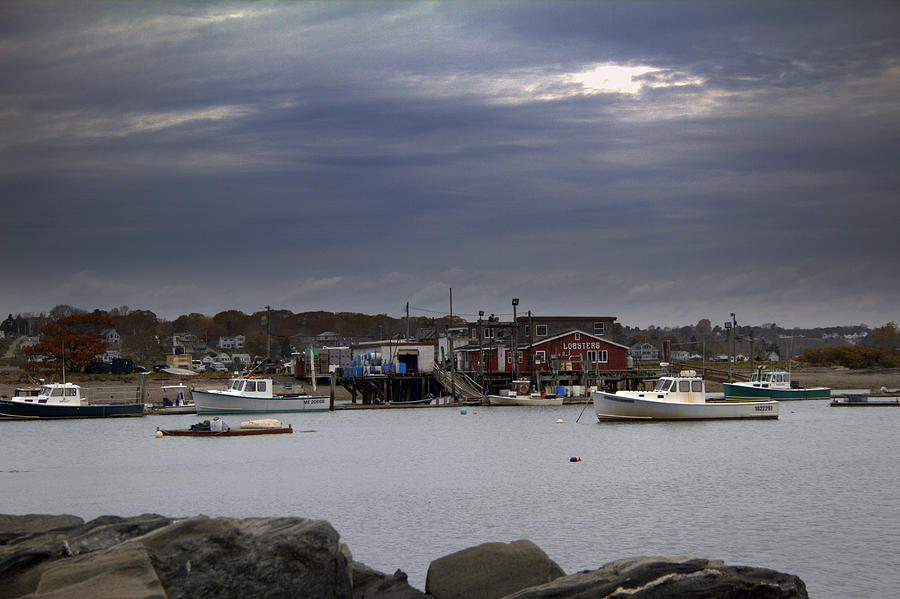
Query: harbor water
(815,493)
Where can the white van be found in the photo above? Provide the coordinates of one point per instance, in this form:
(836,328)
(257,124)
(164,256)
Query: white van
(198,366)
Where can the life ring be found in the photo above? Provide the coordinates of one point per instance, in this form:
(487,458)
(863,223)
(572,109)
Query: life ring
(523,388)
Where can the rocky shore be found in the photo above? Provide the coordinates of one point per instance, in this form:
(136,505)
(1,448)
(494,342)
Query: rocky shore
(152,556)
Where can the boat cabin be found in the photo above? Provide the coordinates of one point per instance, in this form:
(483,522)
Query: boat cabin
(250,387)
(776,379)
(687,387)
(178,395)
(55,394)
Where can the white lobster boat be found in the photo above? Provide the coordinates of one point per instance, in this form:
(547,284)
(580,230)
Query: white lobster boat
(250,395)
(681,397)
(521,395)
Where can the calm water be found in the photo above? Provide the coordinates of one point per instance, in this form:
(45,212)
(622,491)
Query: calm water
(815,493)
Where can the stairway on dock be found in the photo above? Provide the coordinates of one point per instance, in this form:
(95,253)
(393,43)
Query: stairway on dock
(466,387)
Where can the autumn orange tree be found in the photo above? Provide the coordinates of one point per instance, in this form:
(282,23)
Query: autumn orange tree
(75,339)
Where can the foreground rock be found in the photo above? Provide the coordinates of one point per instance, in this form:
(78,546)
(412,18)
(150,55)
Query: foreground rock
(490,570)
(152,556)
(659,577)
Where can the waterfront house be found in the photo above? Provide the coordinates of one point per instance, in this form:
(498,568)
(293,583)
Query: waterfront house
(644,352)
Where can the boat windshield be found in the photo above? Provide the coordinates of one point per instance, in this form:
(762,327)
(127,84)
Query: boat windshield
(663,384)
(235,384)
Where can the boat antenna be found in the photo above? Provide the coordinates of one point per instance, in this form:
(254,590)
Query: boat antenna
(63,343)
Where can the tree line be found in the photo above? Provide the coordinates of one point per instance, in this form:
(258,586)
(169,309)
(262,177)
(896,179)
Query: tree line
(144,334)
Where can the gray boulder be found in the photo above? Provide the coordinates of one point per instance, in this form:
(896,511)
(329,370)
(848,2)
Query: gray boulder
(254,557)
(16,528)
(490,571)
(123,571)
(663,578)
(372,584)
(33,542)
(152,556)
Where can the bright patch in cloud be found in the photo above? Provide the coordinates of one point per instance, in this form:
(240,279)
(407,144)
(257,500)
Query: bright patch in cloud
(523,86)
(611,78)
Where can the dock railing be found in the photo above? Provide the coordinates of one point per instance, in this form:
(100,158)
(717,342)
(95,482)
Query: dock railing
(466,387)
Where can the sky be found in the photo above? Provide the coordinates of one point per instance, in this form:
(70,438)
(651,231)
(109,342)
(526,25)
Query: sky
(659,162)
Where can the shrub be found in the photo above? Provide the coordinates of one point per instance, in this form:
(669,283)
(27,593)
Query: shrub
(853,356)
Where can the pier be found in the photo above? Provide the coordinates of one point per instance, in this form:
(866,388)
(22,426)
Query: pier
(468,387)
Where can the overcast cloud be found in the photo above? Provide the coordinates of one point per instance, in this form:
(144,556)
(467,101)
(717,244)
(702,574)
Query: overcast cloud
(657,162)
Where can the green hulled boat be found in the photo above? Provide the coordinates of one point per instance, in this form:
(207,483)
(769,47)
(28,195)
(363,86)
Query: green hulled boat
(773,384)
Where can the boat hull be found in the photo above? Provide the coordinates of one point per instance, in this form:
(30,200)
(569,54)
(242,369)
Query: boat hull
(743,392)
(35,411)
(522,400)
(241,432)
(613,407)
(168,410)
(415,402)
(865,402)
(211,402)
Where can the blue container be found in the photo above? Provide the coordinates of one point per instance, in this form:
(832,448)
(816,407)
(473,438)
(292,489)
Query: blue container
(401,368)
(560,391)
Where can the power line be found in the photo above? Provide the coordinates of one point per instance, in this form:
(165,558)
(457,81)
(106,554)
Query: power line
(444,313)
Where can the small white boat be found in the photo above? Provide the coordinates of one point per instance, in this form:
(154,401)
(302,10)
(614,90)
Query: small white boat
(251,395)
(179,403)
(521,395)
(680,397)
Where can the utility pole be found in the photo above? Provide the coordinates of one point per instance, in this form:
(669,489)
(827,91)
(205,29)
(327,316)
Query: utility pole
(515,348)
(730,327)
(752,362)
(481,346)
(268,342)
(407,321)
(452,355)
(530,343)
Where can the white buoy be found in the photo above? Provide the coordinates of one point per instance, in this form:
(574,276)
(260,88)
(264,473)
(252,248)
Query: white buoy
(559,421)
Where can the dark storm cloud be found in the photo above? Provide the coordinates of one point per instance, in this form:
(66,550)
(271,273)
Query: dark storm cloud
(359,155)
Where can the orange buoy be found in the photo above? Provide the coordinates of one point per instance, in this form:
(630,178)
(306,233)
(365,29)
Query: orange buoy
(575,459)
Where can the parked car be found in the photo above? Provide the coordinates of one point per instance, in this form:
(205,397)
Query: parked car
(98,368)
(217,367)
(197,366)
(122,366)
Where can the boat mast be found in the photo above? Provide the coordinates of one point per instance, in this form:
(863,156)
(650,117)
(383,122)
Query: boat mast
(312,368)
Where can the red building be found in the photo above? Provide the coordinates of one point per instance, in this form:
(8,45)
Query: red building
(569,351)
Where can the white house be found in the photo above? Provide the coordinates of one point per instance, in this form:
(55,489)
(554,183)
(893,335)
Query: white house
(223,358)
(232,342)
(643,351)
(111,337)
(28,342)
(241,359)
